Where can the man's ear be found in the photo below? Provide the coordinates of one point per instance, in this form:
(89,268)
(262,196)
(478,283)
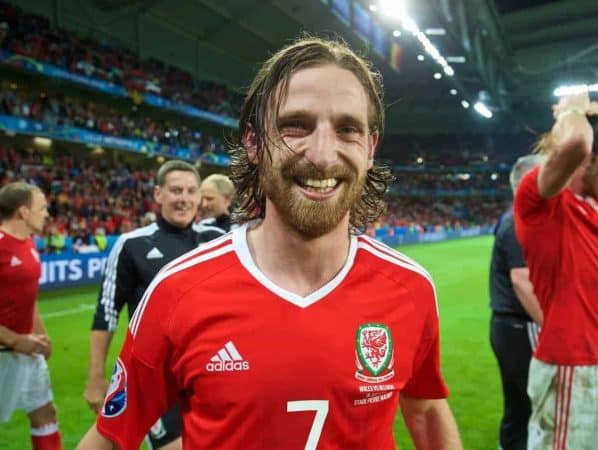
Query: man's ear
(250,143)
(23,212)
(373,145)
(158,195)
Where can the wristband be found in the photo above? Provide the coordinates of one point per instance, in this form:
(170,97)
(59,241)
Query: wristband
(569,111)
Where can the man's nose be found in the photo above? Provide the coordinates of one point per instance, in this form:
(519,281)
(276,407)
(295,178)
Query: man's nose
(322,151)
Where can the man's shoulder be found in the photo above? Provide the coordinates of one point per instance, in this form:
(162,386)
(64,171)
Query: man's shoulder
(198,264)
(138,233)
(208,229)
(392,263)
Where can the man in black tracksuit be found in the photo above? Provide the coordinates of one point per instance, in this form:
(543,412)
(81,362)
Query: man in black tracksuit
(516,316)
(134,260)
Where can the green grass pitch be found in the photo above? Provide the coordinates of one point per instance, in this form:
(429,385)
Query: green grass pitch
(460,270)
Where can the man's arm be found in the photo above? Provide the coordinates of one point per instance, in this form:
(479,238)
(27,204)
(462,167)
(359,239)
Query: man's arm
(93,440)
(117,287)
(525,293)
(97,385)
(431,424)
(29,344)
(40,329)
(570,140)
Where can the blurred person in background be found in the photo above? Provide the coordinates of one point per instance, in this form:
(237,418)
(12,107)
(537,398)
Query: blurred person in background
(217,193)
(556,220)
(24,342)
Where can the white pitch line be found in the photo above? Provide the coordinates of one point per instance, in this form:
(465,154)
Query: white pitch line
(67,312)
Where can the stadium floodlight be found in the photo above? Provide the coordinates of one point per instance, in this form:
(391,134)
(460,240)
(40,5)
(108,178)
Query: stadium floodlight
(494,177)
(483,110)
(435,31)
(42,141)
(453,91)
(396,33)
(465,104)
(420,57)
(395,9)
(437,76)
(575,89)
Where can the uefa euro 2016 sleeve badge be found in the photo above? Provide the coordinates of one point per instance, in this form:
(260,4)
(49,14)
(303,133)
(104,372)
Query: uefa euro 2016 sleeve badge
(374,354)
(116,397)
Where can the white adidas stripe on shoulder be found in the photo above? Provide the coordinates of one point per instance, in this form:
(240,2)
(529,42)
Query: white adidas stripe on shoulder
(394,258)
(108,291)
(202,255)
(392,252)
(203,247)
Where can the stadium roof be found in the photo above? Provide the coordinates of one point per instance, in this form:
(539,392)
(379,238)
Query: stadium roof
(516,51)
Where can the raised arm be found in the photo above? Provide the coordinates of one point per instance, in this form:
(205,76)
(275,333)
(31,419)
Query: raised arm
(568,144)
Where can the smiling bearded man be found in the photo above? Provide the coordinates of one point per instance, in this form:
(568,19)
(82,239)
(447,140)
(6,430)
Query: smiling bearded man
(293,331)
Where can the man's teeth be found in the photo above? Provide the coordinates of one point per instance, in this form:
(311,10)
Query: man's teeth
(324,185)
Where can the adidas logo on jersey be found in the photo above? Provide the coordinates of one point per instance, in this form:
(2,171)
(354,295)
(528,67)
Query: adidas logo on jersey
(227,359)
(14,261)
(154,253)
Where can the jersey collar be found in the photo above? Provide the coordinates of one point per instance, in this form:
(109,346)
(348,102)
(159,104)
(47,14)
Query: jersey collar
(242,250)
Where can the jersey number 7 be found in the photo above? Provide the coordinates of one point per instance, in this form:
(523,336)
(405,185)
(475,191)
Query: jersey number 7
(321,409)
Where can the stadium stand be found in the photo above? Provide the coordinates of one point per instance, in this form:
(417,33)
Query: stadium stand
(32,36)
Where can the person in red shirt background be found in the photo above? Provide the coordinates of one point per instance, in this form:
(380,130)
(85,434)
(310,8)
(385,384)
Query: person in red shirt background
(24,376)
(556,220)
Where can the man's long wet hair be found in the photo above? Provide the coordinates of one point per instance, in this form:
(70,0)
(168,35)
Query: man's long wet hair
(261,108)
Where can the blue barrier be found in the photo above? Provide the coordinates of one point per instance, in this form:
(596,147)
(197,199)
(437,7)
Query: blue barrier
(72,269)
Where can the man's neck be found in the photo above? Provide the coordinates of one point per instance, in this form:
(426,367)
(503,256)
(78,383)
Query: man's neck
(16,229)
(298,264)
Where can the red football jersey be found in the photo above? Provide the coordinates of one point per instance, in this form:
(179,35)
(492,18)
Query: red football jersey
(19,282)
(258,367)
(559,237)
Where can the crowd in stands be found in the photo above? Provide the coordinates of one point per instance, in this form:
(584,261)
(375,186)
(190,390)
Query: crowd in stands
(87,200)
(449,181)
(444,151)
(90,201)
(60,109)
(33,36)
(418,213)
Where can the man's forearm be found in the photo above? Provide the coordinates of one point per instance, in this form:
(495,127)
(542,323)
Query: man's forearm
(431,424)
(99,343)
(38,323)
(569,143)
(525,293)
(7,336)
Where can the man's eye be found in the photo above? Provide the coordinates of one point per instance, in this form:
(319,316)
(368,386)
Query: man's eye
(293,127)
(348,130)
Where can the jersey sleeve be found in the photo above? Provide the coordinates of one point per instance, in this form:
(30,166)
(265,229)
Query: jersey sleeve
(116,288)
(142,386)
(529,206)
(426,381)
